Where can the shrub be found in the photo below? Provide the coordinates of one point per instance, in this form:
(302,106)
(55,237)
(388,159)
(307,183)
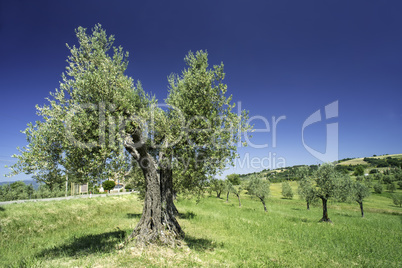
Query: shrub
(373,171)
(378,188)
(400,184)
(108,185)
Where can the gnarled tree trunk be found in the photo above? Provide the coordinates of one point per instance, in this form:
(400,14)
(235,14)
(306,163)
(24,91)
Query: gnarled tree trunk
(158,222)
(325,211)
(169,210)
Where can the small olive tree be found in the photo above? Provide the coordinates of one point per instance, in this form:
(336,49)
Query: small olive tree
(260,188)
(217,186)
(360,192)
(306,187)
(331,184)
(287,190)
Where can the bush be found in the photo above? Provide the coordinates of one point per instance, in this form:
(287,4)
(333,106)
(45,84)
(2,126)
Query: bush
(287,190)
(391,187)
(373,171)
(400,184)
(108,185)
(359,171)
(378,188)
(397,199)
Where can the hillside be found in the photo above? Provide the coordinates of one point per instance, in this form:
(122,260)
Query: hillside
(360,161)
(280,174)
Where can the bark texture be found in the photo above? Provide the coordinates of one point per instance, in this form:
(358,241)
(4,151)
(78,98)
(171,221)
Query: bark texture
(158,222)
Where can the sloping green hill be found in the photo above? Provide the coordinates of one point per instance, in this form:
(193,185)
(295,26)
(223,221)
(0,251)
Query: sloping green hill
(360,161)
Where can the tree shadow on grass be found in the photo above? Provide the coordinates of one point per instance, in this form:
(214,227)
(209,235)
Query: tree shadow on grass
(201,244)
(134,215)
(86,245)
(2,209)
(188,215)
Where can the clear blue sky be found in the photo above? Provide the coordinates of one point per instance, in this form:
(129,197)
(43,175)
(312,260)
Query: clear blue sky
(282,58)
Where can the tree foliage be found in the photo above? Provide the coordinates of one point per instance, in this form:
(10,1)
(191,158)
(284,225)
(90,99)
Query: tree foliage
(378,188)
(306,186)
(359,171)
(287,191)
(234,179)
(108,185)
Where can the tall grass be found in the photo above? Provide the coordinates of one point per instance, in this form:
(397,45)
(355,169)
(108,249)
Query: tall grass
(87,233)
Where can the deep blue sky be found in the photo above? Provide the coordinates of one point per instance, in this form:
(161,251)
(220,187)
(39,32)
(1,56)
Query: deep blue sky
(282,58)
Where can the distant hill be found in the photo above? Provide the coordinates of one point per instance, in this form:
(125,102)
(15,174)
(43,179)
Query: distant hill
(27,182)
(288,173)
(360,161)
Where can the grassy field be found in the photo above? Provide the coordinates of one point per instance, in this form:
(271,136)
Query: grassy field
(87,232)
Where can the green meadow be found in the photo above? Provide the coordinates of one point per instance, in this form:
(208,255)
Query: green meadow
(90,232)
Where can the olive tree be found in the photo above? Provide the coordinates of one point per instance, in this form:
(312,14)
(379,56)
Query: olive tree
(217,186)
(99,114)
(260,188)
(360,192)
(330,184)
(306,186)
(287,190)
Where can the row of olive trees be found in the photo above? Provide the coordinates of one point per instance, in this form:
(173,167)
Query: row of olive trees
(256,186)
(328,184)
(325,184)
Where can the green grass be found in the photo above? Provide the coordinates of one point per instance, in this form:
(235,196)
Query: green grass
(87,233)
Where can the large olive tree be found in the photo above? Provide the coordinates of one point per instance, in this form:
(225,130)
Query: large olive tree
(98,114)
